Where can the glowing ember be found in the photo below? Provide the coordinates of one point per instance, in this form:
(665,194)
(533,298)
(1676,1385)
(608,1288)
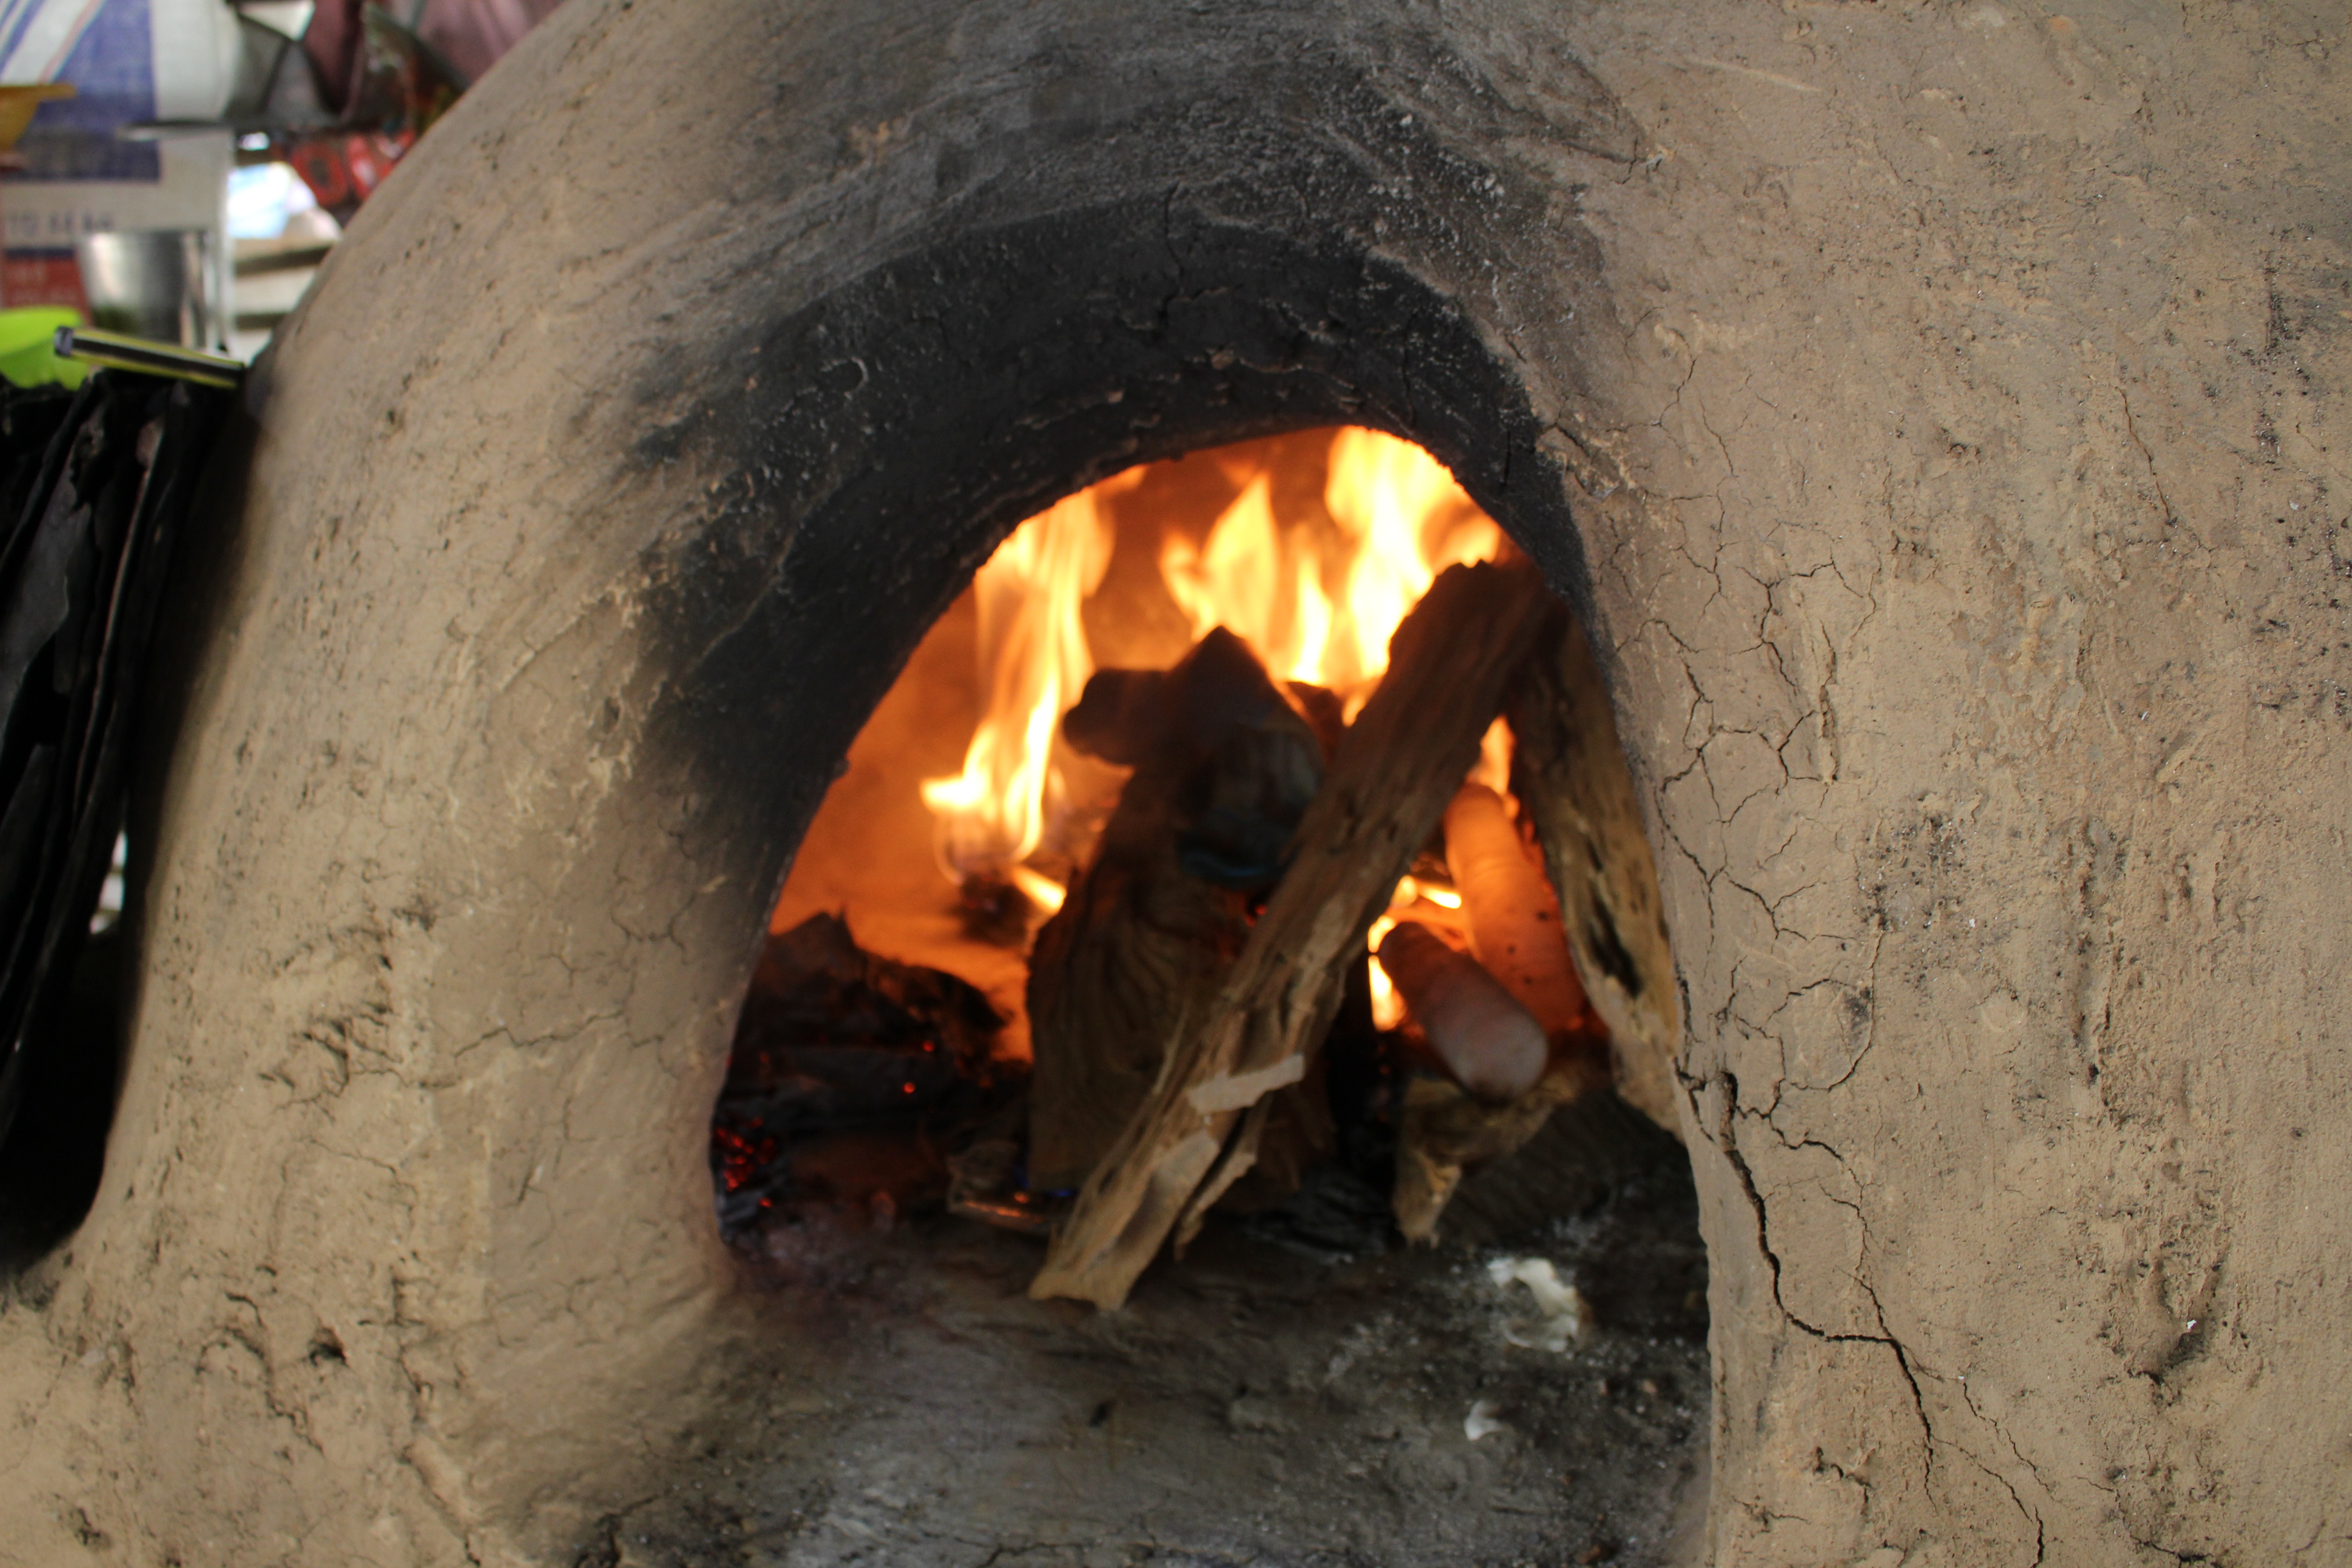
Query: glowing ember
(744,1153)
(1494,769)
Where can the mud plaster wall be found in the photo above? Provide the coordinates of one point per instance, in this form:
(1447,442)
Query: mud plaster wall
(1976,390)
(1961,437)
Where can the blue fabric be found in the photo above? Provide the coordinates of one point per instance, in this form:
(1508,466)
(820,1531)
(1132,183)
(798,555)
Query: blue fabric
(112,68)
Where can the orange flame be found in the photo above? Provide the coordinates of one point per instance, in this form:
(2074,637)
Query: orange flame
(1322,609)
(1316,596)
(1033,658)
(1408,520)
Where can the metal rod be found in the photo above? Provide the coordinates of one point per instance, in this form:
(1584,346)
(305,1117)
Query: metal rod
(119,351)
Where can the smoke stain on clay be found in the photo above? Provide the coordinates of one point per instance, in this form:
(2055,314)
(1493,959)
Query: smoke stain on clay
(1980,234)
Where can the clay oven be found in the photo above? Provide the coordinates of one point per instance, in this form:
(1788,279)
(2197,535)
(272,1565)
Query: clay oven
(1927,412)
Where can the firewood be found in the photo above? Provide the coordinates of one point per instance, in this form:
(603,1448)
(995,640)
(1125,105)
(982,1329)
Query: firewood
(849,1069)
(1225,767)
(1518,930)
(1390,780)
(1230,758)
(1512,911)
(1515,927)
(1445,1130)
(1137,947)
(1492,1045)
(1571,780)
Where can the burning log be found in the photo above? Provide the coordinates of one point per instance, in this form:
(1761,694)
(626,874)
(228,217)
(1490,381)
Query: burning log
(1512,911)
(1225,769)
(1514,920)
(1579,801)
(1487,1039)
(1229,760)
(1390,780)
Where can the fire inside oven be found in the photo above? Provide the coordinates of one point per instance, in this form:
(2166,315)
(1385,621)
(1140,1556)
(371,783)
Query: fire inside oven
(1163,761)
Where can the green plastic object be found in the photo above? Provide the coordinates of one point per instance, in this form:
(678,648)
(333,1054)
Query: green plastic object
(28,356)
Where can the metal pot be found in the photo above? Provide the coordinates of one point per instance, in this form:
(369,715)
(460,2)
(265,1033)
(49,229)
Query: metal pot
(153,283)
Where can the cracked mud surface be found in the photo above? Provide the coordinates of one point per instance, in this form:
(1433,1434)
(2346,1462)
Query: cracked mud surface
(1254,1404)
(1950,398)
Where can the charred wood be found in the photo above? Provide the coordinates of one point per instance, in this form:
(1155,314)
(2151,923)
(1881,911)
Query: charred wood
(1224,767)
(1391,778)
(850,1073)
(1570,776)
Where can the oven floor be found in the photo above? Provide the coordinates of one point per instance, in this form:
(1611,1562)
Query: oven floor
(1255,1404)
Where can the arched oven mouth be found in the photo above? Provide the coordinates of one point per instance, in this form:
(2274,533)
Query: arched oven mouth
(1136,799)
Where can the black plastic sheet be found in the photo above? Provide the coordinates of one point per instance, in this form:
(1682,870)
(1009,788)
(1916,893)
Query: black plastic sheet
(96,488)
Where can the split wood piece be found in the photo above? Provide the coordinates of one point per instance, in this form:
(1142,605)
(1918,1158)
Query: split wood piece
(1445,1130)
(1571,780)
(1138,948)
(1225,766)
(1451,663)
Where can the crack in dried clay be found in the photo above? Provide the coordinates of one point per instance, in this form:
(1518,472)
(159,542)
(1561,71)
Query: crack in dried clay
(2040,1530)
(1726,1143)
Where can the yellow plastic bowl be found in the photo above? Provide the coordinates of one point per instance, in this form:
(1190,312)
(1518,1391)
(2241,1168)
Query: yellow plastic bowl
(18,104)
(28,346)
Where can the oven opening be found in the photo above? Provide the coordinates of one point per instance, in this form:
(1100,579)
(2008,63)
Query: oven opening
(1172,1040)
